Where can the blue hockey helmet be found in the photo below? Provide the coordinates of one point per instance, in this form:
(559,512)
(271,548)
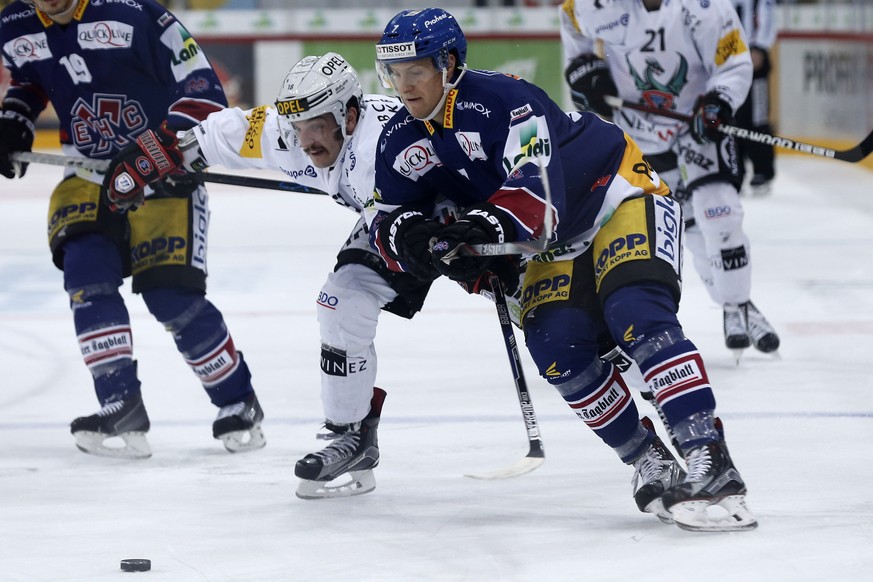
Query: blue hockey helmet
(418,34)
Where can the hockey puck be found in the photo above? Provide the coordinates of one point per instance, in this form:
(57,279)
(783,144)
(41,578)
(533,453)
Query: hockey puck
(136,565)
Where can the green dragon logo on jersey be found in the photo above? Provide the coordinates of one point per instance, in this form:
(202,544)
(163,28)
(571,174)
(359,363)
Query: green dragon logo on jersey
(655,93)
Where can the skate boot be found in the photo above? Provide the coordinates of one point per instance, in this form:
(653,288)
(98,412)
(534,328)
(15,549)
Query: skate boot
(762,334)
(354,451)
(713,495)
(238,425)
(655,471)
(122,417)
(736,335)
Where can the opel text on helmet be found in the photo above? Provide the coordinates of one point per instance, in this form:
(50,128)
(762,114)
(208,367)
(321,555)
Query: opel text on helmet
(315,86)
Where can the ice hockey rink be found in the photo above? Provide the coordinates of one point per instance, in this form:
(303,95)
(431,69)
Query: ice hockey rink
(800,425)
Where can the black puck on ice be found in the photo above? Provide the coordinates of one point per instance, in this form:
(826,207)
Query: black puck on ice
(136,565)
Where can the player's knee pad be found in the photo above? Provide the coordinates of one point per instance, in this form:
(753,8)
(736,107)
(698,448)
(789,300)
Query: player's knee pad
(91,258)
(636,313)
(718,213)
(563,341)
(349,304)
(203,340)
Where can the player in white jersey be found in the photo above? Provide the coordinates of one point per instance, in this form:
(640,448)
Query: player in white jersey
(759,22)
(322,132)
(688,57)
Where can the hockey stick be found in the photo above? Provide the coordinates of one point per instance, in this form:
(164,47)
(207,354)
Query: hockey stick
(852,155)
(520,247)
(536,456)
(102,165)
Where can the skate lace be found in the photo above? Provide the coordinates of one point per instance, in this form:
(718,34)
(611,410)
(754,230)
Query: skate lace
(758,324)
(699,463)
(343,446)
(235,409)
(733,322)
(111,408)
(649,468)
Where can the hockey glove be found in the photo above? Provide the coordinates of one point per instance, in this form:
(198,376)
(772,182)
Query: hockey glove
(480,223)
(405,236)
(710,112)
(16,135)
(154,155)
(590,81)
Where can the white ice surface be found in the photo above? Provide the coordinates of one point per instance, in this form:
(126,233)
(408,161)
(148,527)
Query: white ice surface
(800,426)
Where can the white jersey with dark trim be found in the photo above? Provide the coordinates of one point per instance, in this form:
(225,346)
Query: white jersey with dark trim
(665,58)
(241,139)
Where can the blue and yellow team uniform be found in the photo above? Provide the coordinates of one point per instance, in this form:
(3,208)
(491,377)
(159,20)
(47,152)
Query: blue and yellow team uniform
(115,71)
(611,273)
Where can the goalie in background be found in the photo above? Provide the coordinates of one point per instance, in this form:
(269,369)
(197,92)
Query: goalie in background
(109,99)
(703,71)
(610,276)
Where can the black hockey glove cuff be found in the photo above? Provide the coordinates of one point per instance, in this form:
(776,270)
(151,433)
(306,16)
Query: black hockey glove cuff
(16,135)
(405,235)
(590,81)
(480,223)
(710,112)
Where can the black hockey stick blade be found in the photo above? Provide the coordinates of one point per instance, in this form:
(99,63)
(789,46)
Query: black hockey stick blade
(852,155)
(536,456)
(230,179)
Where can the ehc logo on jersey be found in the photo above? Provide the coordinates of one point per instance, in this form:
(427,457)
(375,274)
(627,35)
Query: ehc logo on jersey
(105,124)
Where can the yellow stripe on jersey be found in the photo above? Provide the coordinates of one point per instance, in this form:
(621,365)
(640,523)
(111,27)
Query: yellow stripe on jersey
(638,172)
(569,7)
(251,146)
(730,44)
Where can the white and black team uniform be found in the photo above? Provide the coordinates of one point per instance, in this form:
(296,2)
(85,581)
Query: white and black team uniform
(360,286)
(759,22)
(667,58)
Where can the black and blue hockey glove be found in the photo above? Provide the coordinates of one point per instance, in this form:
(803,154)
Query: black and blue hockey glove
(405,236)
(479,224)
(16,135)
(590,82)
(710,112)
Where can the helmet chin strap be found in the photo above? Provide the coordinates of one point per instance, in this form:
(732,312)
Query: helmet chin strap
(446,88)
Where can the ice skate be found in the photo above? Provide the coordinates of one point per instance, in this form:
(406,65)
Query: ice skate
(760,331)
(736,335)
(238,425)
(352,456)
(655,471)
(713,495)
(125,419)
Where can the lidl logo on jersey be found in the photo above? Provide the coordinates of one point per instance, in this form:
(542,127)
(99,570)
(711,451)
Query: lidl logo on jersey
(186,55)
(28,48)
(107,34)
(527,141)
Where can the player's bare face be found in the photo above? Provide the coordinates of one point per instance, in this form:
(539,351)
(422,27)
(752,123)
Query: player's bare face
(56,9)
(419,85)
(320,138)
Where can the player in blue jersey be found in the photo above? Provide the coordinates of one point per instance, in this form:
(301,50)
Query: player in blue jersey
(112,71)
(610,275)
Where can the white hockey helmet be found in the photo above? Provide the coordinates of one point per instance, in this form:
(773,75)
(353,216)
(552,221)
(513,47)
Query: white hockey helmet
(315,86)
